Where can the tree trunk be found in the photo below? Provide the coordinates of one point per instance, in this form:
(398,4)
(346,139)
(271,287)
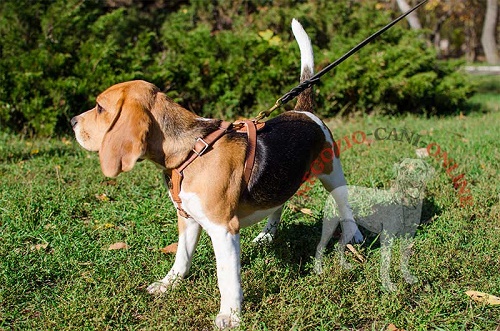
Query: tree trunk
(489,29)
(412,18)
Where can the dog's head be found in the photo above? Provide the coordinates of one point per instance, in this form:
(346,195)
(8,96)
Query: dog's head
(118,125)
(411,177)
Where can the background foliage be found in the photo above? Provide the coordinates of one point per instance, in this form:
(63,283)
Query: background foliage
(220,59)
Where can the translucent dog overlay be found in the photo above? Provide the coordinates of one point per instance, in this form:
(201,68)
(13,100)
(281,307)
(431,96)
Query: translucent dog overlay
(392,214)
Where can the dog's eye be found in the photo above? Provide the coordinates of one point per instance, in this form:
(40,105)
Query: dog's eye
(99,109)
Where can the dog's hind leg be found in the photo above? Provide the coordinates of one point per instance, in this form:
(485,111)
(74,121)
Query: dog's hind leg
(267,234)
(335,183)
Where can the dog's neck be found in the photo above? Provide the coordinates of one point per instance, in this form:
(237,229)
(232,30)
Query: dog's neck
(173,132)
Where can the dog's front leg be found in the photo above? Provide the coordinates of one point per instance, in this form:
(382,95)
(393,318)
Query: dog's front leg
(189,233)
(227,253)
(386,243)
(406,252)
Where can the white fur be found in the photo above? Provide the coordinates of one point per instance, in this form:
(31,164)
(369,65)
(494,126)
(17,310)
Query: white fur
(227,253)
(267,234)
(321,124)
(350,230)
(306,51)
(258,216)
(185,249)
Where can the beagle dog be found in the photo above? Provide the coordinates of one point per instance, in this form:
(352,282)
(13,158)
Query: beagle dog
(135,121)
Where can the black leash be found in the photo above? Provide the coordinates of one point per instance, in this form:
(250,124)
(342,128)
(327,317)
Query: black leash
(315,79)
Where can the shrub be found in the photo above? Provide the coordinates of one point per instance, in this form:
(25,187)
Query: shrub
(219,59)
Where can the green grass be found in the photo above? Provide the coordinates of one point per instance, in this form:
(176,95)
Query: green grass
(52,194)
(488,96)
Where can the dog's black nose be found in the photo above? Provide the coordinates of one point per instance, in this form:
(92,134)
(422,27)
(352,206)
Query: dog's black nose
(74,121)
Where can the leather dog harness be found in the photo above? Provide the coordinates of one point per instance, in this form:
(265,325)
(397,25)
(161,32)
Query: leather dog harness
(203,144)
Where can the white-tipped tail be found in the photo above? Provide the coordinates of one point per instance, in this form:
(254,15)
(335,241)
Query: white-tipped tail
(306,51)
(304,99)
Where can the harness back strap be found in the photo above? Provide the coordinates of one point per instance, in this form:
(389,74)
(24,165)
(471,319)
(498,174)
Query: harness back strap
(251,129)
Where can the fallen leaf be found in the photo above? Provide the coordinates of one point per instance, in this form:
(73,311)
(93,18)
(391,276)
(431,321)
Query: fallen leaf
(66,141)
(108,226)
(483,297)
(170,249)
(118,245)
(392,327)
(356,253)
(38,247)
(422,152)
(307,211)
(102,197)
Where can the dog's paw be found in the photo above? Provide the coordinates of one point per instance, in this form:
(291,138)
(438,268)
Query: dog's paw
(410,279)
(389,286)
(227,321)
(318,267)
(158,288)
(357,238)
(163,285)
(263,238)
(346,265)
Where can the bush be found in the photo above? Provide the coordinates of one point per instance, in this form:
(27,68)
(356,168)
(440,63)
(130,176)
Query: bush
(217,59)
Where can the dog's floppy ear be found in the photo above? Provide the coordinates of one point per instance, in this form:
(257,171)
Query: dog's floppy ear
(125,141)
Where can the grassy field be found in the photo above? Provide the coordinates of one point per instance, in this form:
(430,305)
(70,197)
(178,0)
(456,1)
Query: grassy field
(59,216)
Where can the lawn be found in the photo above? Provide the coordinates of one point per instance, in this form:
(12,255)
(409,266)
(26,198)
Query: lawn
(59,216)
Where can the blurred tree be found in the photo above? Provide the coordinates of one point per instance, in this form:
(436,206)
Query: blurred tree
(489,30)
(218,58)
(412,18)
(457,26)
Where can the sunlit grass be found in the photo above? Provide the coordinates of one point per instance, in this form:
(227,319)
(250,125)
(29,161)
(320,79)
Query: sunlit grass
(59,215)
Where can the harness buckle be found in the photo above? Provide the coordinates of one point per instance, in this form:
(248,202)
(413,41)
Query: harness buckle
(200,150)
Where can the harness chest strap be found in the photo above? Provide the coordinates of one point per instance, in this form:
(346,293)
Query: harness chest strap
(202,145)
